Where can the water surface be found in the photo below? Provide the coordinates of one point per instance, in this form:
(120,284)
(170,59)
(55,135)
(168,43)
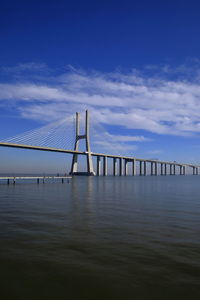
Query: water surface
(101,238)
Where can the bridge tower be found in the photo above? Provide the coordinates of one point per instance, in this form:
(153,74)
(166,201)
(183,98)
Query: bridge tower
(74,166)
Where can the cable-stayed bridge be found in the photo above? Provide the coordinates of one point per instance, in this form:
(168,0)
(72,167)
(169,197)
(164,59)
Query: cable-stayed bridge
(54,138)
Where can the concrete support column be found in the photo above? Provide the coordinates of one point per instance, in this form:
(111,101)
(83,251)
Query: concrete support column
(134,167)
(105,166)
(145,168)
(125,167)
(120,167)
(85,136)
(98,165)
(170,169)
(140,168)
(165,169)
(181,170)
(197,171)
(114,166)
(151,168)
(174,169)
(193,170)
(161,169)
(156,168)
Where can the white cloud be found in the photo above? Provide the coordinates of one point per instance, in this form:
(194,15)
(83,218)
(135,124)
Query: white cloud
(126,138)
(131,100)
(114,147)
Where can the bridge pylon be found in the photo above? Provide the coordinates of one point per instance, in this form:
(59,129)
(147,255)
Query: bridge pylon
(74,166)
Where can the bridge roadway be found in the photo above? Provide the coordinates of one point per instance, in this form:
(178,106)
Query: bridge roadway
(115,157)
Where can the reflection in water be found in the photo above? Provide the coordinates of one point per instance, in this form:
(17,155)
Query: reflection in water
(101,238)
(82,197)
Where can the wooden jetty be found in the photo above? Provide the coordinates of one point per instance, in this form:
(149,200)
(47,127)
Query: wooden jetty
(39,179)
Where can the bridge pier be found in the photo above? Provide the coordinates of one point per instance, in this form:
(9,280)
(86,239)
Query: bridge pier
(74,166)
(125,167)
(145,168)
(170,169)
(140,168)
(183,170)
(193,168)
(105,171)
(156,168)
(134,167)
(98,165)
(165,169)
(174,166)
(161,169)
(151,168)
(120,167)
(114,166)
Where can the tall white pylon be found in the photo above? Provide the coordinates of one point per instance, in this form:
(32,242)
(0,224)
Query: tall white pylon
(74,166)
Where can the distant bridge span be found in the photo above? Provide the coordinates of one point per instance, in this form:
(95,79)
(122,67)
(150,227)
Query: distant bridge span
(120,163)
(126,159)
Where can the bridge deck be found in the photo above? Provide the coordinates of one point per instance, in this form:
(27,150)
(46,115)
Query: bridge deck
(39,148)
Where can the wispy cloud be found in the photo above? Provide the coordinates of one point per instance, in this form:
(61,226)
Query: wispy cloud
(127,138)
(117,144)
(132,100)
(23,67)
(155,151)
(115,147)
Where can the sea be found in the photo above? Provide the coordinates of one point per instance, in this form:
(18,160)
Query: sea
(134,238)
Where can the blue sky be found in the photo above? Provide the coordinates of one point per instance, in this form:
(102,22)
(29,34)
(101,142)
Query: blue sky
(134,64)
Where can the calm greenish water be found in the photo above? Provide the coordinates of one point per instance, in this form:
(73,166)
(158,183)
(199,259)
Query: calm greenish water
(101,238)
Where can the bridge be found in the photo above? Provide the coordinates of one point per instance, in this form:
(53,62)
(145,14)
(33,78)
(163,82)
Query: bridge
(120,163)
